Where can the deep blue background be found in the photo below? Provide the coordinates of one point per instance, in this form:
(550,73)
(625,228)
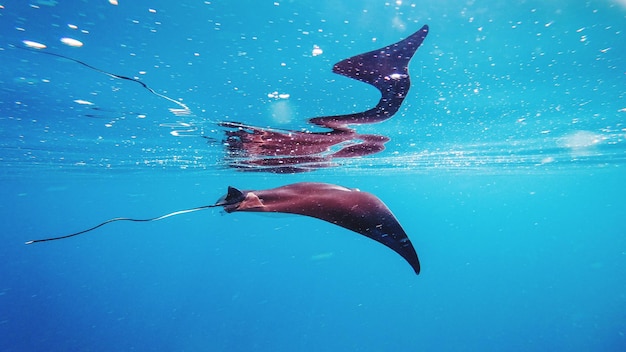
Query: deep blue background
(505,167)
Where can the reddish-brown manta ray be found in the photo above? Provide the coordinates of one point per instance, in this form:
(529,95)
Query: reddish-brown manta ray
(350,208)
(358,211)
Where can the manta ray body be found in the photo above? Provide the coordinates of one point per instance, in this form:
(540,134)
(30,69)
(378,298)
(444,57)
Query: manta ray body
(350,208)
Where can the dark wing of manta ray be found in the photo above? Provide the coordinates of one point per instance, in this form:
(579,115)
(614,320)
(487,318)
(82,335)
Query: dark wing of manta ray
(352,209)
(253,148)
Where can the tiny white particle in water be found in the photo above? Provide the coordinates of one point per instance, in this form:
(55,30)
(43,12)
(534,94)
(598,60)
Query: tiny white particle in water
(316,50)
(396,76)
(33,45)
(72,42)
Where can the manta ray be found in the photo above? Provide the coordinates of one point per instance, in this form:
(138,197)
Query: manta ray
(352,209)
(349,208)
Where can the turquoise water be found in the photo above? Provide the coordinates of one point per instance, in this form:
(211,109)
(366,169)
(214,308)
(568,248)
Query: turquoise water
(505,166)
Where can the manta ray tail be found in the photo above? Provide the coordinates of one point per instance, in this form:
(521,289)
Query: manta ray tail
(178,212)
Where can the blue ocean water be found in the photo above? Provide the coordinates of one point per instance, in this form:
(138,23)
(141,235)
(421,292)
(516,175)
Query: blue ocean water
(505,167)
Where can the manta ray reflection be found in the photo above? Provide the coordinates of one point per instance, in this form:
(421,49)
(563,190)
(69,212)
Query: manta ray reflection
(253,148)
